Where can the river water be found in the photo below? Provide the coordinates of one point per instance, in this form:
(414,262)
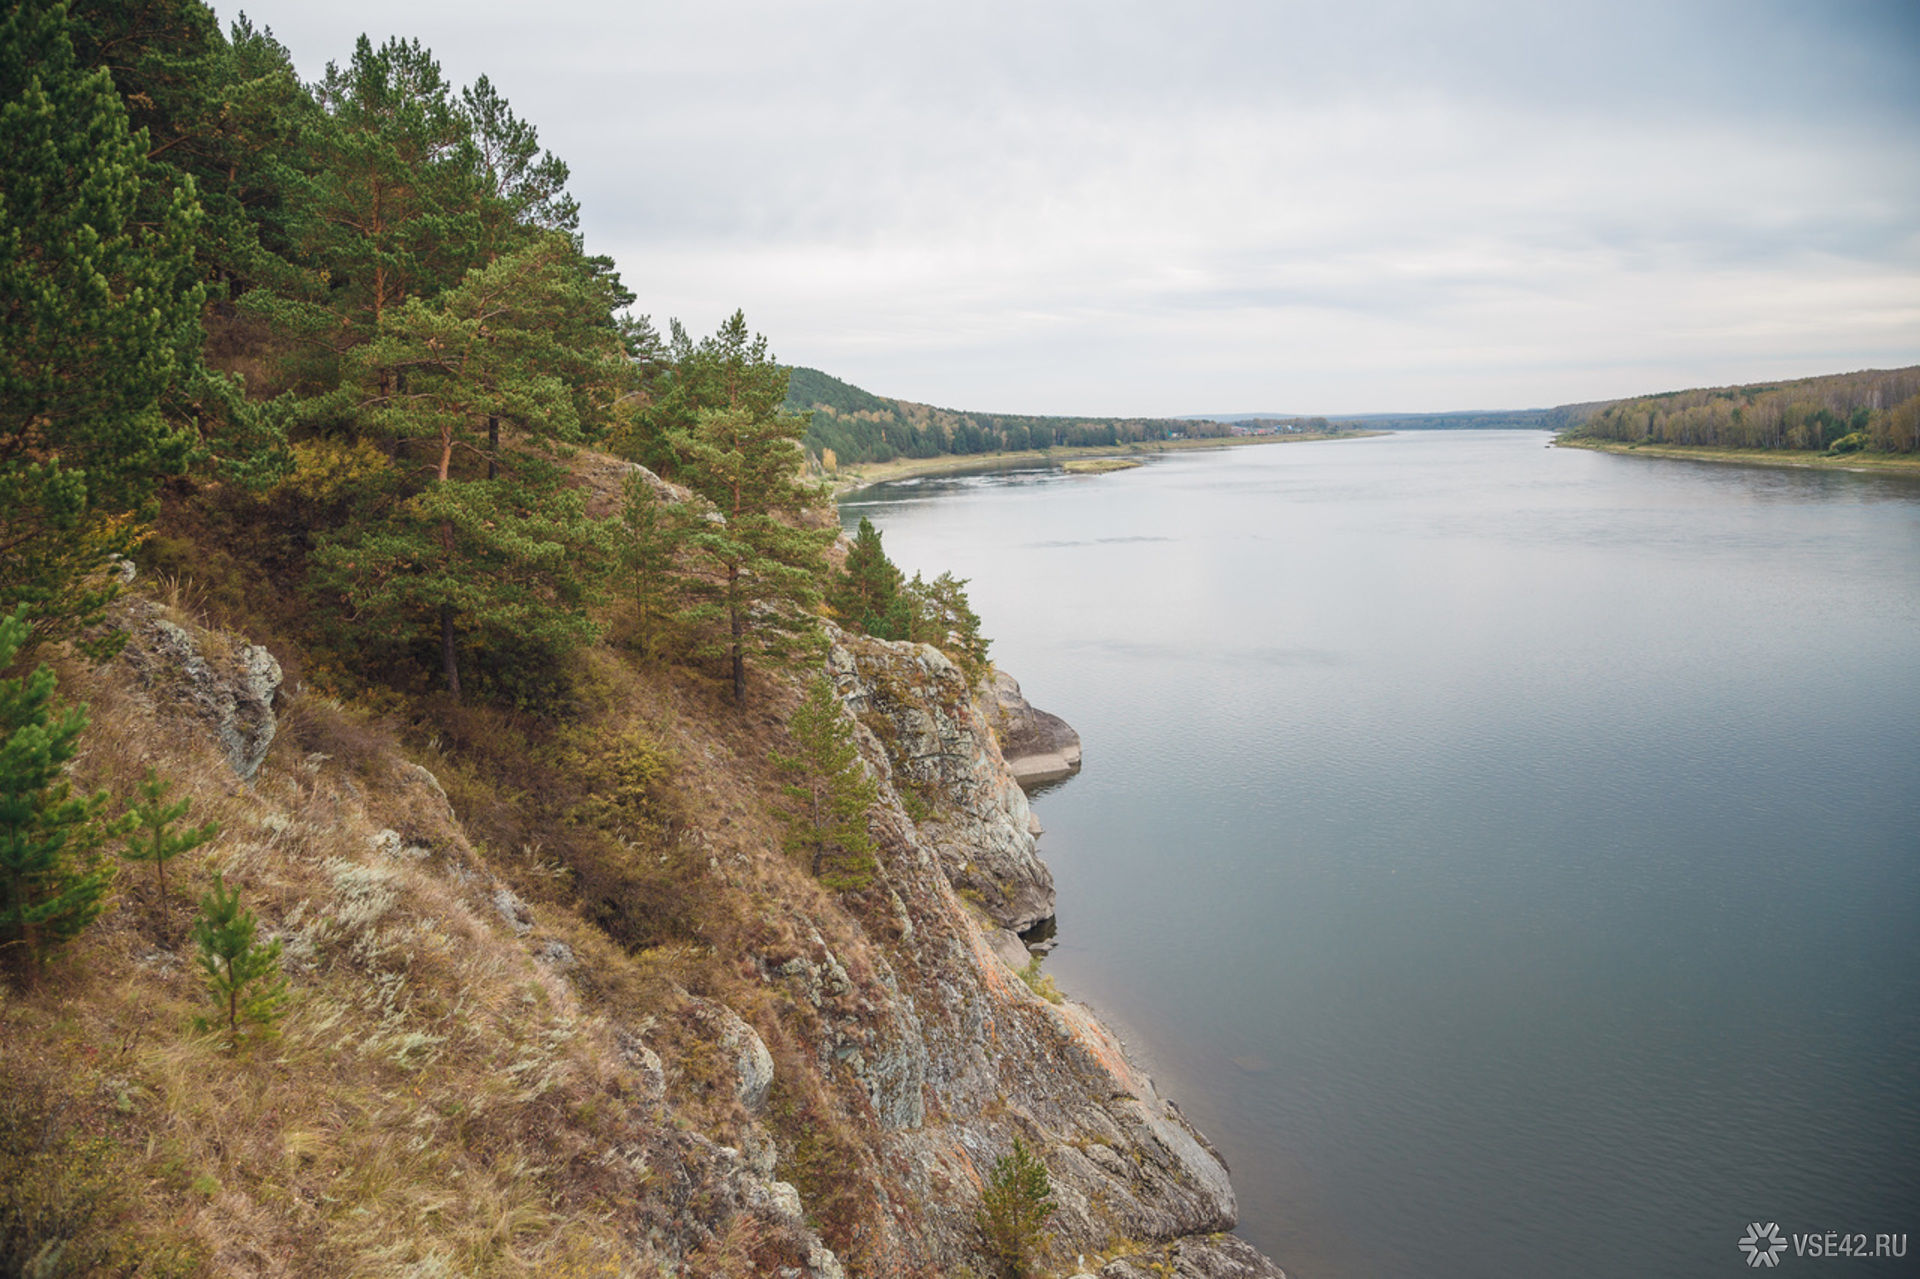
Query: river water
(1509,856)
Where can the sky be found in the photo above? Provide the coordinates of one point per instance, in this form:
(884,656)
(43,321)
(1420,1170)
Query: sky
(1110,207)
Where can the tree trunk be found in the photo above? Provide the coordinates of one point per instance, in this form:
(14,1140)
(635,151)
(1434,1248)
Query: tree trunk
(737,617)
(449,653)
(493,447)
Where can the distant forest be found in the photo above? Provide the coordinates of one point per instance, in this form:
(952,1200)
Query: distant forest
(1555,419)
(857,426)
(1876,409)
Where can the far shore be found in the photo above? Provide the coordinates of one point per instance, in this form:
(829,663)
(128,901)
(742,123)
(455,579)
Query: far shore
(849,479)
(1884,463)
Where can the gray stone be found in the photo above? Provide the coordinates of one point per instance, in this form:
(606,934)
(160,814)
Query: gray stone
(1039,746)
(228,688)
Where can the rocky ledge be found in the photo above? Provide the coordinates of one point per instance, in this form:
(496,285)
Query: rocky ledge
(1038,746)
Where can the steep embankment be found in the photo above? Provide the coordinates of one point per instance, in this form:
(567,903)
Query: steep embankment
(515,1049)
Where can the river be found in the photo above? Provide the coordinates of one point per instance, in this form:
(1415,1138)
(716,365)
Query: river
(1509,856)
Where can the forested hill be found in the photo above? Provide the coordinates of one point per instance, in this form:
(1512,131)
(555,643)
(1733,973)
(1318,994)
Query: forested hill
(1559,418)
(1875,409)
(858,426)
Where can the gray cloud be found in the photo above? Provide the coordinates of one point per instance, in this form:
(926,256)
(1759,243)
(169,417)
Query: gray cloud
(1127,207)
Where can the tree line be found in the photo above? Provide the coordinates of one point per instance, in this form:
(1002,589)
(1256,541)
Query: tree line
(1877,409)
(850,425)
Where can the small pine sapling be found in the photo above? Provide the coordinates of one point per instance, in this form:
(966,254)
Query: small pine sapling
(829,792)
(1014,1205)
(243,977)
(154,838)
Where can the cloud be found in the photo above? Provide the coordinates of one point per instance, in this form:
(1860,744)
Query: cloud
(1121,207)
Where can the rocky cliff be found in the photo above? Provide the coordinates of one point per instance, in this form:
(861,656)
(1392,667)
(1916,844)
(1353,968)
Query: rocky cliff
(505,1057)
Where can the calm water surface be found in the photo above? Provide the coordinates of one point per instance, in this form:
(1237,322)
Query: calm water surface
(1509,855)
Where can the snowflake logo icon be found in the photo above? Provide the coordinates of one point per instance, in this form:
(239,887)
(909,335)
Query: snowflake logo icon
(1762,1244)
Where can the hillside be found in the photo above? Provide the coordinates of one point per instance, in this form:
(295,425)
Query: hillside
(1874,410)
(857,426)
(453,820)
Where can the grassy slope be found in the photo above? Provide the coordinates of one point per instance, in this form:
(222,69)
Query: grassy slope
(442,1095)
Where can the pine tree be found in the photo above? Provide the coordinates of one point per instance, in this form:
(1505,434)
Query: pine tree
(829,792)
(102,316)
(867,594)
(53,882)
(1014,1205)
(940,615)
(651,533)
(243,977)
(482,533)
(759,572)
(154,839)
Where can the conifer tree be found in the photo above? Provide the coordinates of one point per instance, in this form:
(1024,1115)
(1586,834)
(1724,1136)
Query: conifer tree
(243,977)
(154,839)
(829,792)
(1014,1206)
(939,614)
(481,532)
(53,883)
(101,310)
(758,573)
(867,594)
(652,531)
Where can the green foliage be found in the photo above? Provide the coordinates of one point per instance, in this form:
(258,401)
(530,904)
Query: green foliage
(154,839)
(1014,1206)
(499,371)
(98,287)
(757,573)
(867,593)
(1039,983)
(243,977)
(828,792)
(651,532)
(939,614)
(1874,409)
(53,882)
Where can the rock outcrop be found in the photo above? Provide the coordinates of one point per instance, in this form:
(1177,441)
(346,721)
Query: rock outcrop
(935,748)
(223,685)
(1038,746)
(957,1054)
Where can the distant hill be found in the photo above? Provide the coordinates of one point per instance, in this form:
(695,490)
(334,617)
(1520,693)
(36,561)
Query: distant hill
(859,426)
(1877,409)
(1554,419)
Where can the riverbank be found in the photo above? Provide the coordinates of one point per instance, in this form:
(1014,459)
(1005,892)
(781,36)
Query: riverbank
(849,479)
(1884,463)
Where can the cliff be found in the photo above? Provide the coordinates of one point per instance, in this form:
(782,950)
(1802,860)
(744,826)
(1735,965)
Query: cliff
(514,1049)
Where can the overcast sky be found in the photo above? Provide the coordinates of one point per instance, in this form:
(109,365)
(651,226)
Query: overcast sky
(1099,206)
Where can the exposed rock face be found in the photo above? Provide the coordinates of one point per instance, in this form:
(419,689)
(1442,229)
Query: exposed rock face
(934,744)
(1038,746)
(954,1052)
(226,686)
